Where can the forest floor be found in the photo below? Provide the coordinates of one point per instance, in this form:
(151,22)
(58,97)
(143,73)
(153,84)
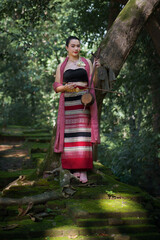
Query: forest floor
(13,156)
(104,208)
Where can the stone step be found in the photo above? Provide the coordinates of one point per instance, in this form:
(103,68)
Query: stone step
(37,229)
(76,237)
(105,208)
(105,215)
(152,236)
(143,236)
(112,221)
(36,131)
(110,233)
(39,139)
(124,229)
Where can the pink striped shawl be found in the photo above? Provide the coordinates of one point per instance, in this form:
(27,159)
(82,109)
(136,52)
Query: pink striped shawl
(59,141)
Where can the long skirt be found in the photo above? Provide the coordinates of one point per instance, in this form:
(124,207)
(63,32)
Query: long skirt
(77,152)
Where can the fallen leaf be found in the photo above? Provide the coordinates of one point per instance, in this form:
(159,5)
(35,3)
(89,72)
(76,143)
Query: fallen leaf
(23,212)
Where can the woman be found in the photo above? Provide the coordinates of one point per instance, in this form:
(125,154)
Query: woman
(77,128)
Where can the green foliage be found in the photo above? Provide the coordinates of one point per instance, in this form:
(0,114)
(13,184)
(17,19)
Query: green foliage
(32,40)
(26,73)
(129,144)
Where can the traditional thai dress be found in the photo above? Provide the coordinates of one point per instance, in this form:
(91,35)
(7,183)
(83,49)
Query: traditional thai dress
(77,152)
(77,128)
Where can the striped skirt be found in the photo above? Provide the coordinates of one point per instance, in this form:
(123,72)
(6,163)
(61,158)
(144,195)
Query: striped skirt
(77,152)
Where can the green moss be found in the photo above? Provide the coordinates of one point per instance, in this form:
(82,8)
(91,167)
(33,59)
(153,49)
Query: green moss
(63,221)
(79,237)
(125,14)
(103,169)
(16,174)
(41,185)
(91,192)
(38,138)
(35,145)
(28,225)
(42,182)
(57,204)
(38,156)
(82,238)
(39,134)
(18,127)
(21,191)
(107,205)
(38,160)
(105,196)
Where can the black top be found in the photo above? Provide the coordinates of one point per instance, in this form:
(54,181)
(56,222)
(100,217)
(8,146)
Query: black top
(75,75)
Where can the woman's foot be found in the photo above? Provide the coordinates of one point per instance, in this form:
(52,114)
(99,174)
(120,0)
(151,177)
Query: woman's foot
(83,177)
(77,174)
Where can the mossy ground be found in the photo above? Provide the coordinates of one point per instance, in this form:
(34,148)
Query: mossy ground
(98,210)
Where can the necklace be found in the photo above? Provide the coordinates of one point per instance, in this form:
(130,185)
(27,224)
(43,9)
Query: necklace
(74,62)
(78,63)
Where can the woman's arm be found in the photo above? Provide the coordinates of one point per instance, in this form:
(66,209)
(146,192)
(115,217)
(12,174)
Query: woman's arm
(61,88)
(57,80)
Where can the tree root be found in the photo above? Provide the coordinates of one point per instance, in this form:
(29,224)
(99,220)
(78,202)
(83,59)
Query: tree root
(65,191)
(48,173)
(21,181)
(65,180)
(65,176)
(37,199)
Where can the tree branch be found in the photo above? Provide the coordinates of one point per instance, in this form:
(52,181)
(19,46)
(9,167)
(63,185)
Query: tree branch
(121,37)
(153,29)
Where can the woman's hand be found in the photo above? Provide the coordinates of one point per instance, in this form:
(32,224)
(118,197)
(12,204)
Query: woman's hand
(68,86)
(97,62)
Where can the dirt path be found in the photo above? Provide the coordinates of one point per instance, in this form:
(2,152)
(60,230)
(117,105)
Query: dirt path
(13,156)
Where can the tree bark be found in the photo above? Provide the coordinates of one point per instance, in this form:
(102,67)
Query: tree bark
(153,28)
(122,36)
(155,86)
(37,199)
(52,159)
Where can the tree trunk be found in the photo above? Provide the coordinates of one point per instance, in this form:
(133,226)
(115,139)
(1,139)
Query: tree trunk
(123,34)
(155,85)
(153,28)
(52,159)
(121,38)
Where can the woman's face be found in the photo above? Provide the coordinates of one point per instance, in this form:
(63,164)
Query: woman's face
(73,48)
